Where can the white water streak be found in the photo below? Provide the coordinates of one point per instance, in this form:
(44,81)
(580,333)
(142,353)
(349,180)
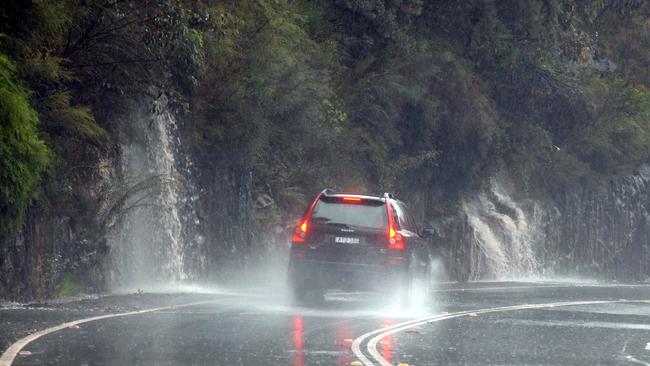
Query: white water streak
(147,245)
(502,234)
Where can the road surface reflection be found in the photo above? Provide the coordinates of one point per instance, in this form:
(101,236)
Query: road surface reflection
(346,332)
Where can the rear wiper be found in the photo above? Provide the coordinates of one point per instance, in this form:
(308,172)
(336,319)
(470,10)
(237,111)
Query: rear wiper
(327,222)
(320,219)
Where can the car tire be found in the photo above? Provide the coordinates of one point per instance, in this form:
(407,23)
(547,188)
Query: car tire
(405,295)
(305,293)
(419,278)
(428,277)
(401,285)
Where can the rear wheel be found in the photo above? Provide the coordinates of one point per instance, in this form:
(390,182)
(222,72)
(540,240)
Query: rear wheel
(307,296)
(407,290)
(428,277)
(418,281)
(399,288)
(401,285)
(305,291)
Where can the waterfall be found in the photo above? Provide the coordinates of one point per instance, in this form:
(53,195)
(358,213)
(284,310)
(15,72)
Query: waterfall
(601,231)
(501,235)
(147,243)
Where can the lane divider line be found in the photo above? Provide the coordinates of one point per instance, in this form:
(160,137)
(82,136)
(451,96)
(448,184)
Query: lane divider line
(379,334)
(635,360)
(496,288)
(527,287)
(10,353)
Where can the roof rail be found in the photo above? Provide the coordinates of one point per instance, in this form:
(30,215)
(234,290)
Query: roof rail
(327,191)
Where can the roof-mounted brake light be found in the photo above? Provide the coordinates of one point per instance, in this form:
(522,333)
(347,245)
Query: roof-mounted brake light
(352,199)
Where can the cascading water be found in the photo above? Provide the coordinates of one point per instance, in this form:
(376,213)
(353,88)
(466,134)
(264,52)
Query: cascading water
(600,231)
(501,236)
(147,244)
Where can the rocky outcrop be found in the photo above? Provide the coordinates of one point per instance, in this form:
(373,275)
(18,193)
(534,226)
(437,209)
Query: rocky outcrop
(48,259)
(600,232)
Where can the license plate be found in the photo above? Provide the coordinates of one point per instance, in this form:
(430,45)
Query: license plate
(346,240)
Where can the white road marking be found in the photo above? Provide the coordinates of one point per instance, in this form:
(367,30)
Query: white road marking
(635,360)
(647,346)
(528,287)
(496,288)
(379,334)
(10,354)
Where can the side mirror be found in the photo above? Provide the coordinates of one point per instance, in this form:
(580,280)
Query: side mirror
(429,233)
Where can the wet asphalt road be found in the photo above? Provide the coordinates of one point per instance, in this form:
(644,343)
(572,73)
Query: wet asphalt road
(262,329)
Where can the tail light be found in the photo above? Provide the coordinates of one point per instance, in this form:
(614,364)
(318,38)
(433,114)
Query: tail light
(300,233)
(395,239)
(301,230)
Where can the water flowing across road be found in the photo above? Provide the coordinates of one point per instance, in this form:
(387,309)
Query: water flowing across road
(478,323)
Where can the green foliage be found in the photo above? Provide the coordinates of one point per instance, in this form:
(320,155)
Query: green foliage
(69,286)
(76,121)
(23,155)
(30,27)
(619,138)
(389,99)
(43,70)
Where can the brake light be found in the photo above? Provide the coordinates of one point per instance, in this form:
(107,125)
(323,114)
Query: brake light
(301,230)
(300,233)
(352,199)
(395,239)
(397,242)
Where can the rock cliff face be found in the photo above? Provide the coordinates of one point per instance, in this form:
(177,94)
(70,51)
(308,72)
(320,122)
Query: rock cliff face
(180,220)
(52,256)
(603,233)
(160,218)
(226,207)
(597,232)
(205,229)
(177,223)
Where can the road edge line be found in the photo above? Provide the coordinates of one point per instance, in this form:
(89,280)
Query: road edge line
(379,334)
(9,355)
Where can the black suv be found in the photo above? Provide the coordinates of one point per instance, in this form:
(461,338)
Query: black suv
(354,242)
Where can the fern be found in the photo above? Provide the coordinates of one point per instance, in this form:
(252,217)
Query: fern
(23,155)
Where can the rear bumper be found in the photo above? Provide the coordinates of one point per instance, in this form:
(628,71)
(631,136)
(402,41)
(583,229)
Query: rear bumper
(341,275)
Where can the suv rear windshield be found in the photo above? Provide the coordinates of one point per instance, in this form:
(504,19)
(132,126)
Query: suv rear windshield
(367,214)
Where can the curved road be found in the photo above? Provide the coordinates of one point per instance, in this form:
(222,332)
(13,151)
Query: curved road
(480,324)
